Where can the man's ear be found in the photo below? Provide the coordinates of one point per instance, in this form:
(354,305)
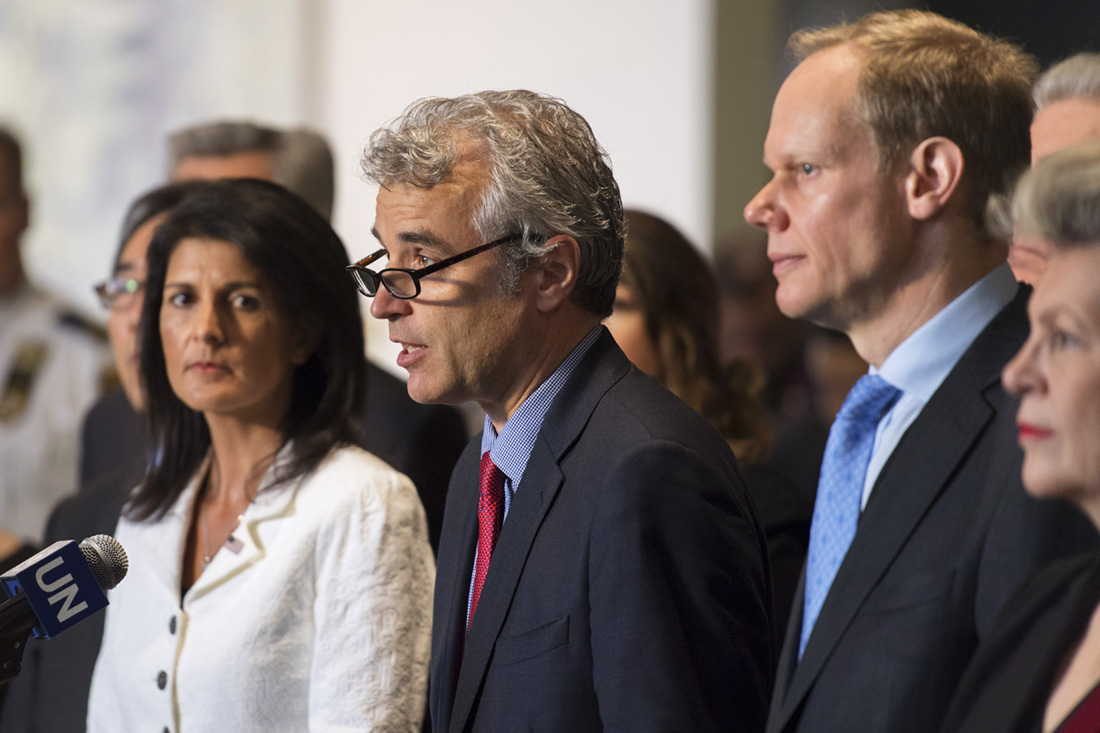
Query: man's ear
(556,275)
(935,170)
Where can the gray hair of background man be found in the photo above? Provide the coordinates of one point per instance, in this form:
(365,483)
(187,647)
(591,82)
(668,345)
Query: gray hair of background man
(301,160)
(1077,77)
(1059,198)
(547,176)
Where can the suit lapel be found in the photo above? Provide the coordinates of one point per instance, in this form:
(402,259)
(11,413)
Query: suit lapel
(266,507)
(788,657)
(932,448)
(269,505)
(601,367)
(540,485)
(456,557)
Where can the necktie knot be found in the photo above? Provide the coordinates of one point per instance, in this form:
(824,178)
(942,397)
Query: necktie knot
(869,398)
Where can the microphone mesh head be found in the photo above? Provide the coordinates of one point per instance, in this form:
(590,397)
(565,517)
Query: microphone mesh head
(106,559)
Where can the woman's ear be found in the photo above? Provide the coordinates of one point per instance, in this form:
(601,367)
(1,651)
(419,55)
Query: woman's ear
(305,343)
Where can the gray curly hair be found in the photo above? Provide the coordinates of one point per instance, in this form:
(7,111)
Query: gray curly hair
(547,176)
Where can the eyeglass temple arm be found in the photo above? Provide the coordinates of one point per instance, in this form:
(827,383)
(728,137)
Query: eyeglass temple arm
(369,258)
(462,256)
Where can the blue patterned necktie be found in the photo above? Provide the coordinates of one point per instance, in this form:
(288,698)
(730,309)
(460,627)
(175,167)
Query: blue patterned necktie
(840,489)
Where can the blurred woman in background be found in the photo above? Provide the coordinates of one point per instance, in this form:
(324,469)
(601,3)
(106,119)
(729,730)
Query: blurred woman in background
(1039,669)
(280,577)
(666,321)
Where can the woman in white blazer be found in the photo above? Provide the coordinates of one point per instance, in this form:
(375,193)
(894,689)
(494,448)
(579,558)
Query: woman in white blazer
(280,578)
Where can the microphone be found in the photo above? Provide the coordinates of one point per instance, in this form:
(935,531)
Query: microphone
(57,588)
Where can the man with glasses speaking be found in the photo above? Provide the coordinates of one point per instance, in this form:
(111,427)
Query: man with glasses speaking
(600,566)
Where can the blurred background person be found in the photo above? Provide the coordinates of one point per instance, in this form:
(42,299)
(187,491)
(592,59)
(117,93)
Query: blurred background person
(808,369)
(1037,670)
(53,366)
(50,695)
(298,159)
(752,328)
(666,322)
(1068,99)
(280,576)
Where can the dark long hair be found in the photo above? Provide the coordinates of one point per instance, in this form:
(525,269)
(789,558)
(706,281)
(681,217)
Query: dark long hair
(150,204)
(303,260)
(678,294)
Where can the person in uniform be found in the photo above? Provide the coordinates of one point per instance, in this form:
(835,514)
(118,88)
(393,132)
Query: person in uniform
(53,366)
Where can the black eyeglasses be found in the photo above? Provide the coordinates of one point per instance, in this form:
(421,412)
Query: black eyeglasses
(119,292)
(405,283)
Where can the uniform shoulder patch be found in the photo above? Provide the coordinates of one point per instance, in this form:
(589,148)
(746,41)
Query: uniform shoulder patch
(72,320)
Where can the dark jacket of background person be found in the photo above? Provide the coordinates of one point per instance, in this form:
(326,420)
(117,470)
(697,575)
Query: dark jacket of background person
(1007,685)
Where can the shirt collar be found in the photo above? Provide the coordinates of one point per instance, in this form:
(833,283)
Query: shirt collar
(920,364)
(511,448)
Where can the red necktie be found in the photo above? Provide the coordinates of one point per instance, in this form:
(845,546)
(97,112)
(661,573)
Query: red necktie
(490,515)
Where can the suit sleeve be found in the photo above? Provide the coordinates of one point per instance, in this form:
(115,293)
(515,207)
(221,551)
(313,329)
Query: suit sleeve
(681,634)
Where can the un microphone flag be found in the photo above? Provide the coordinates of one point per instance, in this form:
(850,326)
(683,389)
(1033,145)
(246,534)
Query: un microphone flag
(58,586)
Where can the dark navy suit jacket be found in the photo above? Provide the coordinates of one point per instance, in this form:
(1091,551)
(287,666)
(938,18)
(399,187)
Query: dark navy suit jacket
(628,589)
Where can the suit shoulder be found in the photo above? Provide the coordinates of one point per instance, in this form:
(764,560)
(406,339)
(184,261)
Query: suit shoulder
(638,408)
(1014,666)
(95,510)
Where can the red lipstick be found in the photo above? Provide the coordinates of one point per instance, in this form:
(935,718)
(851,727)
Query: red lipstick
(1031,432)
